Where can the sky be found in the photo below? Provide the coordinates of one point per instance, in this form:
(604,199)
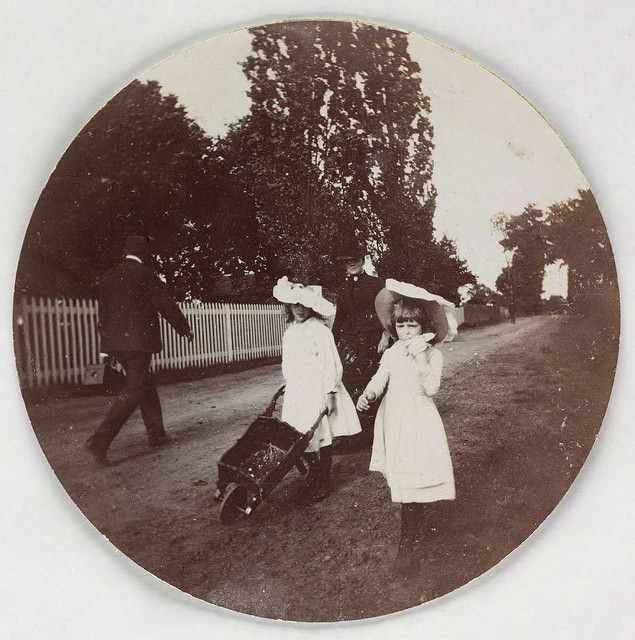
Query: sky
(493,151)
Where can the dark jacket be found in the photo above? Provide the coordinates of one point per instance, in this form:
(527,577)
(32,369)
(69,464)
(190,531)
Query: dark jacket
(356,307)
(131,297)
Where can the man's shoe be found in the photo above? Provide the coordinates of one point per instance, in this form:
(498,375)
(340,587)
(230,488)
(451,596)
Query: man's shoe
(97,452)
(161,441)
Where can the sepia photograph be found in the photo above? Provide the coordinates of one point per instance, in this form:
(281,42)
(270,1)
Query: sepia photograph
(317,320)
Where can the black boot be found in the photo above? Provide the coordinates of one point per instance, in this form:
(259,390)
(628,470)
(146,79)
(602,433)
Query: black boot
(305,496)
(322,487)
(408,561)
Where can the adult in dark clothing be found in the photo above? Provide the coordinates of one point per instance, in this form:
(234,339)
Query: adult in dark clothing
(359,336)
(131,297)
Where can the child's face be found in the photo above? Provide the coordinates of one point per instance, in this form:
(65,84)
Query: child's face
(300,312)
(408,329)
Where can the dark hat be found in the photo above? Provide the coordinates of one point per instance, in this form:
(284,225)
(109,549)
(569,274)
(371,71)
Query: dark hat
(140,246)
(351,250)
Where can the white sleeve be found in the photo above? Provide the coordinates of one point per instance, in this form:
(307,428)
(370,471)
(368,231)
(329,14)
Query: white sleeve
(430,365)
(330,362)
(380,380)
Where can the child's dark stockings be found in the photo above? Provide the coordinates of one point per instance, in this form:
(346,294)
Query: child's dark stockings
(318,477)
(408,556)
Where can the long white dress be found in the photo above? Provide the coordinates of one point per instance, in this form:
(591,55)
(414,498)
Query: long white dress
(312,368)
(410,447)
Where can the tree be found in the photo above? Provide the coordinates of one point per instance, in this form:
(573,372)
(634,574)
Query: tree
(525,237)
(139,166)
(578,236)
(337,146)
(572,231)
(443,272)
(481,294)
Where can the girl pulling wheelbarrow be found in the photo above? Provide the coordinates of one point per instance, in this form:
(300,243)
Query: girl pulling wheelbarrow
(312,370)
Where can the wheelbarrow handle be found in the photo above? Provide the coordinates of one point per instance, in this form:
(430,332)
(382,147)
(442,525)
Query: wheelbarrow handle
(317,422)
(272,405)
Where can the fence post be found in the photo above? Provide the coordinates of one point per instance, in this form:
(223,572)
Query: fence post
(228,333)
(28,353)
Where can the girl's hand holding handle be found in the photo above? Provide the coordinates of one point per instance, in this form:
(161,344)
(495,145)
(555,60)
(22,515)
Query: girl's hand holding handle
(330,403)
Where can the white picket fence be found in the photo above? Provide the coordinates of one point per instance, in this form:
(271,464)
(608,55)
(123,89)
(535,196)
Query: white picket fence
(56,339)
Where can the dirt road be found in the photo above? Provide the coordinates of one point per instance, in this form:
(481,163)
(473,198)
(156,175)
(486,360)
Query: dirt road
(332,561)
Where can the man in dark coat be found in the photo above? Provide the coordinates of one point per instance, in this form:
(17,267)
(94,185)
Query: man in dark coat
(131,297)
(359,335)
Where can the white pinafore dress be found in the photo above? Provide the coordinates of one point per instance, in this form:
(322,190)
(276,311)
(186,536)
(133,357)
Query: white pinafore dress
(311,367)
(410,447)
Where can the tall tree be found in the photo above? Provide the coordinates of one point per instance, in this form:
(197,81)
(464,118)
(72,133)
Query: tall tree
(337,146)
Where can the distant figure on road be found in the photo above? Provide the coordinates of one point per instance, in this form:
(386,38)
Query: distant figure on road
(131,297)
(359,335)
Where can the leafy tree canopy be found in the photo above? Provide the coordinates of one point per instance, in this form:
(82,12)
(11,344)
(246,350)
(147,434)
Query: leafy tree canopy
(138,167)
(337,147)
(572,231)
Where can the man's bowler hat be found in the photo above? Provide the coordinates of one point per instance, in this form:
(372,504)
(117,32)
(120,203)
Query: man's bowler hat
(351,250)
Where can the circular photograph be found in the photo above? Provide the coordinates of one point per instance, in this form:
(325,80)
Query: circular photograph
(316,321)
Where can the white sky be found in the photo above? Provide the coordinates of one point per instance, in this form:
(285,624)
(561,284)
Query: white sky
(493,151)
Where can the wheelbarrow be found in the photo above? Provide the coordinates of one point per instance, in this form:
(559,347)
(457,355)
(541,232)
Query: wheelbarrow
(251,469)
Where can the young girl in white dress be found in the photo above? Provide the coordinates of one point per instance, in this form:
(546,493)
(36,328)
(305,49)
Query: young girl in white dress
(410,447)
(312,371)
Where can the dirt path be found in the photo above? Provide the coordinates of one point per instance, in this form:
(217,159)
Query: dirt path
(330,561)
(212,411)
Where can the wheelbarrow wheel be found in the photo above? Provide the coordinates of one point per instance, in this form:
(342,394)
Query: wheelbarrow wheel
(234,503)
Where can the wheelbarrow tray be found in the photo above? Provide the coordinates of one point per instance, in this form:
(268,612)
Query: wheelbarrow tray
(264,431)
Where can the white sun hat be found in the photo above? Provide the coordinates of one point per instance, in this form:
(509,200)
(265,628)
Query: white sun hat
(306,295)
(438,308)
(408,290)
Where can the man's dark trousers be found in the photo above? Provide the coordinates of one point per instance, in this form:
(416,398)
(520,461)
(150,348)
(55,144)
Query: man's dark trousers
(139,391)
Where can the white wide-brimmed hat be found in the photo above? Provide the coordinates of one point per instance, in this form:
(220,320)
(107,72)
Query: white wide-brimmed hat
(436,306)
(306,295)
(407,290)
